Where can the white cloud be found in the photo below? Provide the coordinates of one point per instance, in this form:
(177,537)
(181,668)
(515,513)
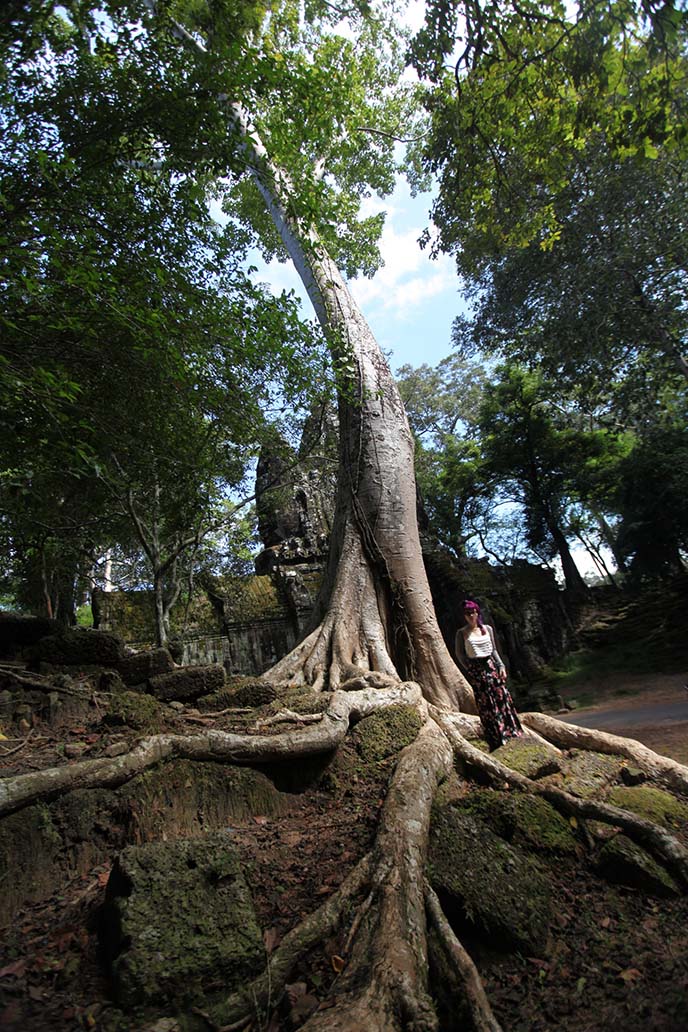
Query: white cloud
(409,276)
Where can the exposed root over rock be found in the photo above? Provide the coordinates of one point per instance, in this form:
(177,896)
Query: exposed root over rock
(327,734)
(259,996)
(384,908)
(662,844)
(569,736)
(384,986)
(466,971)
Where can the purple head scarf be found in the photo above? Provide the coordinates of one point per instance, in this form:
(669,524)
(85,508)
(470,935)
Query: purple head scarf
(473,607)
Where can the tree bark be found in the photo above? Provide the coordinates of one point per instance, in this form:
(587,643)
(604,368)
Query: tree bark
(574,581)
(375,607)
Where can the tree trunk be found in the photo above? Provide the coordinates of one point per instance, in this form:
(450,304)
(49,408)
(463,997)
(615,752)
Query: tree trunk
(375,606)
(574,582)
(376,609)
(161,612)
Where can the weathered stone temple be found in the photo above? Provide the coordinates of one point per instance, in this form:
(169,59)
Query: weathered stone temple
(248,623)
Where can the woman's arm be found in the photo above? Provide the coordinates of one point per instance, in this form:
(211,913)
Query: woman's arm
(499,662)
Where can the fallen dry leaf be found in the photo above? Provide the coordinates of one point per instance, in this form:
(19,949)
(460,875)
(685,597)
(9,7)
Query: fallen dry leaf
(338,963)
(630,975)
(16,968)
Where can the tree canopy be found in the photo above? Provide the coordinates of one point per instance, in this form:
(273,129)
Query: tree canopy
(140,362)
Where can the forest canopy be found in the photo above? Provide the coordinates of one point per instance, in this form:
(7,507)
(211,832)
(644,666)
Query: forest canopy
(185,849)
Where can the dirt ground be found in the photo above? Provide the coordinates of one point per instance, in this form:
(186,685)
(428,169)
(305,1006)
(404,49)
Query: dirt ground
(615,959)
(621,694)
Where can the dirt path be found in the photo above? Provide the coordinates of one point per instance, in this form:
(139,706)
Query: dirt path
(653,709)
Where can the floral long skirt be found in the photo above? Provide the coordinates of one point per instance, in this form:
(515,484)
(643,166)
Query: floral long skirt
(495,705)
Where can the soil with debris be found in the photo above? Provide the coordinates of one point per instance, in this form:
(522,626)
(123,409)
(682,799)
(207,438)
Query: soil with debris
(615,957)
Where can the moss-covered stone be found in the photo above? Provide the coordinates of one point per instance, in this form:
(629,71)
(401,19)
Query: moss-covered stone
(386,732)
(132,709)
(140,666)
(623,862)
(179,921)
(77,648)
(299,700)
(183,797)
(588,774)
(653,803)
(29,854)
(18,632)
(532,759)
(45,843)
(528,821)
(215,701)
(450,790)
(189,682)
(42,844)
(78,814)
(500,892)
(250,691)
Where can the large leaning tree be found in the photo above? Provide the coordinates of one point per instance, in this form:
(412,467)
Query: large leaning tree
(297,113)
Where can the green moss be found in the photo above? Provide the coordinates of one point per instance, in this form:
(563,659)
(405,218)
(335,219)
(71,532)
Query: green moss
(588,774)
(527,820)
(179,921)
(386,732)
(623,862)
(532,759)
(450,790)
(653,803)
(502,893)
(142,712)
(249,691)
(300,700)
(46,826)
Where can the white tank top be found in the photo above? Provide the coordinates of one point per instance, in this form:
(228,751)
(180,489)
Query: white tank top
(478,645)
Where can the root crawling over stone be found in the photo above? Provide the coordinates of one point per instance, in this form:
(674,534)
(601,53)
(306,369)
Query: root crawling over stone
(257,997)
(466,972)
(385,902)
(327,734)
(569,736)
(384,985)
(662,844)
(288,716)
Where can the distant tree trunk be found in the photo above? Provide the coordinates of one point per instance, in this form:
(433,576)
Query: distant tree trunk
(161,612)
(574,582)
(166,590)
(597,559)
(609,538)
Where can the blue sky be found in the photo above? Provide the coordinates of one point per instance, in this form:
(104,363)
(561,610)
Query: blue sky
(412,300)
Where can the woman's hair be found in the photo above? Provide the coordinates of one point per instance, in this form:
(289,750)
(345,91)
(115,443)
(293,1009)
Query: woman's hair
(471,607)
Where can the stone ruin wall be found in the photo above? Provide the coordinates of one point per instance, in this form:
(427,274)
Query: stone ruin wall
(248,624)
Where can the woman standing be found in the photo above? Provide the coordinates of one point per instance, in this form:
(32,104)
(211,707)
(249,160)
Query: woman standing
(477,656)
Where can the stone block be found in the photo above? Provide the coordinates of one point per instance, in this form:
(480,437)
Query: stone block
(187,682)
(179,921)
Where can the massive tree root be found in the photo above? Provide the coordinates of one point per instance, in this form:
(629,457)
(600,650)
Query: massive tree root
(569,736)
(645,833)
(384,907)
(326,735)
